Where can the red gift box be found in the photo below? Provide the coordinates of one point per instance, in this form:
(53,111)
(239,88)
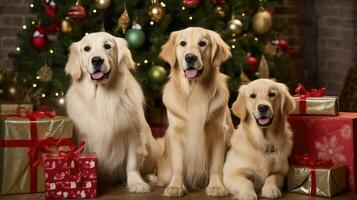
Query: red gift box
(328,138)
(71,174)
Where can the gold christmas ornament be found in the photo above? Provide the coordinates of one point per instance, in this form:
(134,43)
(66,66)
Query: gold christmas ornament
(123,21)
(263,68)
(262,22)
(219,11)
(270,49)
(244,78)
(66,26)
(156,12)
(45,73)
(235,26)
(102,4)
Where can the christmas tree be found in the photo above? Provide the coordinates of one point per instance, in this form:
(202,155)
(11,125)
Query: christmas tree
(248,26)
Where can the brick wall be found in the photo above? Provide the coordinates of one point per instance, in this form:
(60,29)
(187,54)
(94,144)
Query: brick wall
(13,14)
(337,41)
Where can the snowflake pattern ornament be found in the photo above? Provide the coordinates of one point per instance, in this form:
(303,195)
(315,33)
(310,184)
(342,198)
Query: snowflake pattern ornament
(346,132)
(329,149)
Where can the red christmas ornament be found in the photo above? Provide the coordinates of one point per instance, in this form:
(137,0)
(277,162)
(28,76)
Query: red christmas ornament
(77,12)
(50,8)
(283,45)
(190,3)
(218,2)
(252,63)
(39,40)
(52,28)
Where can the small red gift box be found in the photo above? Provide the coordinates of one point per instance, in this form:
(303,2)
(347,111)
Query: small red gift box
(71,174)
(328,138)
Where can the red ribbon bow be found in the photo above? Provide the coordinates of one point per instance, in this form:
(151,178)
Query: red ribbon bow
(301,92)
(34,144)
(72,158)
(308,160)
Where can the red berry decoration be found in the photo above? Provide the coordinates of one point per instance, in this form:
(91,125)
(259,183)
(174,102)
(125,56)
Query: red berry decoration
(190,3)
(218,2)
(50,8)
(77,12)
(39,40)
(252,63)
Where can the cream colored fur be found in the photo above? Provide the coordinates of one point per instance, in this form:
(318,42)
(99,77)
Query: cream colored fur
(258,159)
(198,115)
(108,114)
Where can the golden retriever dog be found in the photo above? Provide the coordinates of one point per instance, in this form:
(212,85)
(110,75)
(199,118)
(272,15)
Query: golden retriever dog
(258,158)
(106,105)
(196,98)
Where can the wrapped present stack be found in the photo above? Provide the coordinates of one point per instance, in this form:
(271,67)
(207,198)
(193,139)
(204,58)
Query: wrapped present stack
(23,139)
(326,135)
(71,174)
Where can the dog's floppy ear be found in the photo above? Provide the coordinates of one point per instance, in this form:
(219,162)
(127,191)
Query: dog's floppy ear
(220,50)
(168,50)
(73,67)
(287,102)
(123,50)
(239,106)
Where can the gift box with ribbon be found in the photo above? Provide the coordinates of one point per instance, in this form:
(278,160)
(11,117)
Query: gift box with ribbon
(23,139)
(328,138)
(314,102)
(71,174)
(316,177)
(12,108)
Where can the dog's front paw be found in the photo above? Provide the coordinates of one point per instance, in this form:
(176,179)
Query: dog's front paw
(271,192)
(216,191)
(174,191)
(246,195)
(140,187)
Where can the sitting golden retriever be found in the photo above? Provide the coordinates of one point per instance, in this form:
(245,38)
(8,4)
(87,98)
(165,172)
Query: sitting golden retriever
(258,159)
(196,99)
(106,105)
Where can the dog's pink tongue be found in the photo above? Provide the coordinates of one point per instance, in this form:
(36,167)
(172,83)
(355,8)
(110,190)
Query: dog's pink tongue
(263,121)
(97,75)
(191,73)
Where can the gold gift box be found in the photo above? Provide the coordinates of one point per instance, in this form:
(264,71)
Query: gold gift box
(14,161)
(329,181)
(327,105)
(11,108)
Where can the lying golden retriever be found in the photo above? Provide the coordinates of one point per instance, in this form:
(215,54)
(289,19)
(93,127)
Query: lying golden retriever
(106,105)
(196,99)
(258,159)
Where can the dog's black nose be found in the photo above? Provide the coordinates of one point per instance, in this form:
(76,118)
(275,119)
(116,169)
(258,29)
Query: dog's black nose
(190,58)
(263,108)
(97,61)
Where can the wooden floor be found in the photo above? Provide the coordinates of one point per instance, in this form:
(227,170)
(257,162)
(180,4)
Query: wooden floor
(120,193)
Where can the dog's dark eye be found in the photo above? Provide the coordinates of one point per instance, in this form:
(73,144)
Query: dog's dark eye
(183,43)
(86,48)
(107,46)
(253,96)
(202,43)
(271,94)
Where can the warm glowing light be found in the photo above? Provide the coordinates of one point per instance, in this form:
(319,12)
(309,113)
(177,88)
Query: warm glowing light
(18,49)
(146,61)
(24,27)
(34,85)
(190,18)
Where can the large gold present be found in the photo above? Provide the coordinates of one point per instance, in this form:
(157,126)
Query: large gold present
(317,179)
(314,102)
(23,139)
